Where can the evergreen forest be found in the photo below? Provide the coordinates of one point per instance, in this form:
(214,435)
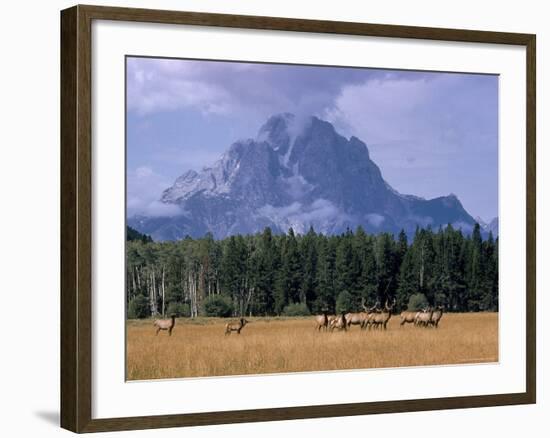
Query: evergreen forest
(268,274)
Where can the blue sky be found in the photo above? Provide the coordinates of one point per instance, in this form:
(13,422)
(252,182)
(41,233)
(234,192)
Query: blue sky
(430,133)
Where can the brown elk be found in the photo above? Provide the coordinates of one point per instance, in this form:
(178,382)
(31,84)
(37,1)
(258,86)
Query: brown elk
(235,326)
(436,316)
(408,317)
(339,323)
(322,321)
(380,320)
(357,318)
(423,318)
(369,315)
(165,324)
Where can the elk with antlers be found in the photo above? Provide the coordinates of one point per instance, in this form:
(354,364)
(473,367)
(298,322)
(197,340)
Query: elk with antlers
(357,318)
(370,312)
(423,318)
(380,320)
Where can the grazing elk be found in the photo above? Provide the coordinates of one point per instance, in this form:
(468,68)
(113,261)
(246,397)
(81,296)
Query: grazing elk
(339,323)
(322,321)
(436,316)
(235,326)
(423,318)
(165,324)
(380,320)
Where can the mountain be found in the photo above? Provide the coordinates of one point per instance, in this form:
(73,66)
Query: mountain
(492,227)
(486,228)
(133,235)
(296,173)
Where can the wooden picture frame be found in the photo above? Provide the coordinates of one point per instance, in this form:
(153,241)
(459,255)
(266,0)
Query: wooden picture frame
(76,217)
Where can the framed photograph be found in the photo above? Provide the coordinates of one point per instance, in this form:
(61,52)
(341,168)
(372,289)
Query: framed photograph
(268,218)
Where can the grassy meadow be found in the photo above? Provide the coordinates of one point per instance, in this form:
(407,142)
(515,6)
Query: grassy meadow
(199,348)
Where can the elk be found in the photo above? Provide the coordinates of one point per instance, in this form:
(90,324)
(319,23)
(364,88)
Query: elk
(339,323)
(369,315)
(165,324)
(423,318)
(436,316)
(380,320)
(322,321)
(408,317)
(235,326)
(357,318)
(353,318)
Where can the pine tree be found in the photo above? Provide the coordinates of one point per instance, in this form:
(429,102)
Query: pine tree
(385,267)
(290,275)
(308,251)
(402,247)
(348,268)
(234,264)
(475,272)
(490,277)
(325,274)
(408,281)
(267,267)
(367,283)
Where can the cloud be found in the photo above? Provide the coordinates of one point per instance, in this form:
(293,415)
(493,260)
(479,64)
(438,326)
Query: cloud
(184,158)
(379,108)
(144,172)
(144,187)
(280,212)
(160,209)
(152,91)
(374,219)
(215,87)
(430,116)
(319,211)
(430,133)
(300,217)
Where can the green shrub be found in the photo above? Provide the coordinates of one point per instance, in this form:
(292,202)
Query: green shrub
(138,307)
(178,309)
(296,309)
(217,305)
(344,302)
(417,302)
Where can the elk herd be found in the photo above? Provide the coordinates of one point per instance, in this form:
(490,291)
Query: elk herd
(377,317)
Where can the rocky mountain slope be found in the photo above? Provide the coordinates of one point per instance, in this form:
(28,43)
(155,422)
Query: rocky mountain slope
(296,173)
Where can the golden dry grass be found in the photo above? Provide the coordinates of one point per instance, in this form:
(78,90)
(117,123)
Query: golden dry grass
(199,348)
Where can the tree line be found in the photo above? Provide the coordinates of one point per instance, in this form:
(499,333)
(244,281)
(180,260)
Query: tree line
(269,274)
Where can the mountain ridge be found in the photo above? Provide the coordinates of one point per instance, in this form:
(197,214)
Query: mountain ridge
(299,173)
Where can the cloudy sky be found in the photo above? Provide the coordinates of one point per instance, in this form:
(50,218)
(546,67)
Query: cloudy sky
(430,133)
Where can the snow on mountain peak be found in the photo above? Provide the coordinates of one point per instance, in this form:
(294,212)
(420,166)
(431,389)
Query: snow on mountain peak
(299,172)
